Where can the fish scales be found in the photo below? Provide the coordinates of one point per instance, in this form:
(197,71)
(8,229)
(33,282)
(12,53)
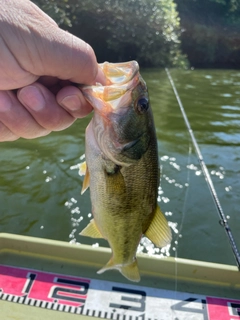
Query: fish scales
(122,208)
(122,168)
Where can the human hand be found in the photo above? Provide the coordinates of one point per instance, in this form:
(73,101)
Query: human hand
(39,63)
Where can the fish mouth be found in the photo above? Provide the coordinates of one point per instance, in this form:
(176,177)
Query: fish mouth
(121,79)
(119,73)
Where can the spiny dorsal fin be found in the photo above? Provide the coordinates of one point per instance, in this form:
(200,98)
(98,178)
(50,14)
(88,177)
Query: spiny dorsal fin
(91,230)
(86,181)
(158,231)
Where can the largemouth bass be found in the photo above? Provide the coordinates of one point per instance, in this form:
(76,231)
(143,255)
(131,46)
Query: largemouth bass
(122,167)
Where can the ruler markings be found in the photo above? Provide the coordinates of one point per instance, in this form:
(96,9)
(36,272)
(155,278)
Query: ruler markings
(55,306)
(32,301)
(10,297)
(98,298)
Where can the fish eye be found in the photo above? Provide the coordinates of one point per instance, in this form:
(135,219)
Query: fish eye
(142,105)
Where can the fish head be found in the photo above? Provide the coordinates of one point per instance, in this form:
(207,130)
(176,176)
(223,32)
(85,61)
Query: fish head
(122,117)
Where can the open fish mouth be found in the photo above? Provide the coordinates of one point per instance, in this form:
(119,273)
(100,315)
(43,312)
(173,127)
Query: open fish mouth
(121,79)
(119,73)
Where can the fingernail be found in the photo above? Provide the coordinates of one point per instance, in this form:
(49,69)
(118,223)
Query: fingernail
(71,103)
(32,98)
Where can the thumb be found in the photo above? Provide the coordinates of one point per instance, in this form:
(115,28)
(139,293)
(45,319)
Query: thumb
(41,48)
(67,57)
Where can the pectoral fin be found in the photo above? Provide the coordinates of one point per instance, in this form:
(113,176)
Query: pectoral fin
(158,231)
(82,168)
(91,230)
(86,180)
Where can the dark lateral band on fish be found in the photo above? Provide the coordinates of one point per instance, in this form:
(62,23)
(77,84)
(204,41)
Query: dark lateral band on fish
(122,168)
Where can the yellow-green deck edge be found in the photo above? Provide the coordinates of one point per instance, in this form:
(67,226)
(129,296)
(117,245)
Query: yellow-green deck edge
(83,261)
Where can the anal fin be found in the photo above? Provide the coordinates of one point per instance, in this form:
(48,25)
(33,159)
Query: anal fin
(159,232)
(91,230)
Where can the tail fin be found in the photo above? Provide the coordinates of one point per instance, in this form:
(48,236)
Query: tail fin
(129,271)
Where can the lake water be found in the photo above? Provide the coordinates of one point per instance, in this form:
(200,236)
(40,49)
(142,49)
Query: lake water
(40,189)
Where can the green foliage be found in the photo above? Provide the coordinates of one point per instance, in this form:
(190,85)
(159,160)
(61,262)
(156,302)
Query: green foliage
(211,36)
(118,30)
(230,5)
(58,10)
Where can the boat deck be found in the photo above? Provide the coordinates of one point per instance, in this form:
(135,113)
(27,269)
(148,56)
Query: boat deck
(48,279)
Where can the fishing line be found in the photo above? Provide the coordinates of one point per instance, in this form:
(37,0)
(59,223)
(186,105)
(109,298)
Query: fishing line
(181,226)
(223,221)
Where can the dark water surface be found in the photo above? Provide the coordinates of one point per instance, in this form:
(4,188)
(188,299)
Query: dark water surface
(40,189)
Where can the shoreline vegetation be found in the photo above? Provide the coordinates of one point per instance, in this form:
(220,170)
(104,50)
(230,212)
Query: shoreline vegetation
(156,33)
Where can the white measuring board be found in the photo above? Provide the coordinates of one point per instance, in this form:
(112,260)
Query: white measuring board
(109,300)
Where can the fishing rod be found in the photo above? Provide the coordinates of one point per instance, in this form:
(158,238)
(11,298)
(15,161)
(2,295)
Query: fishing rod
(223,221)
